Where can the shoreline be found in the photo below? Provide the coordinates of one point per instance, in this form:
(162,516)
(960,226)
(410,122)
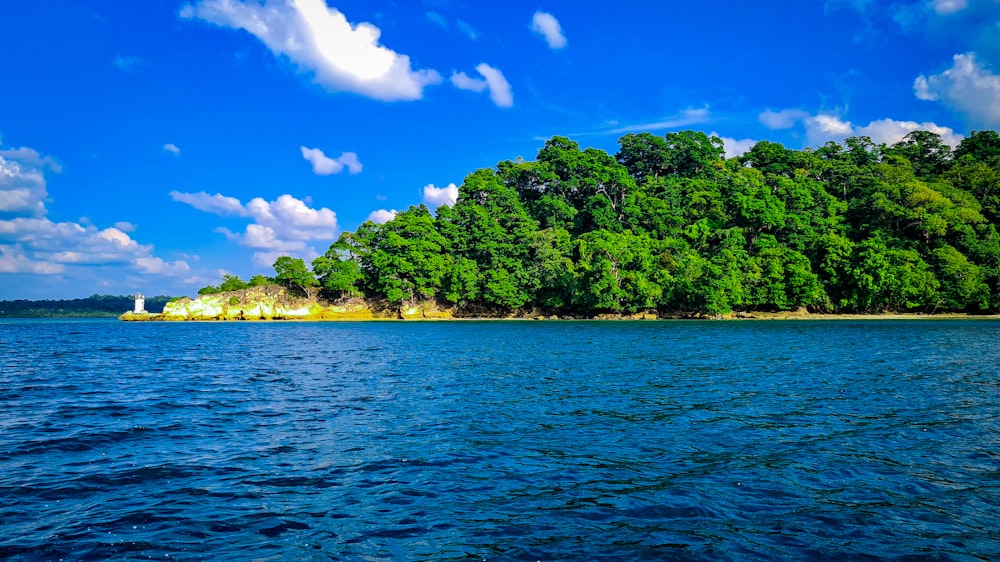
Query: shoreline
(733,317)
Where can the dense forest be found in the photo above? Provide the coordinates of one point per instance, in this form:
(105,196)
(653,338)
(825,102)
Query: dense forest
(97,306)
(669,224)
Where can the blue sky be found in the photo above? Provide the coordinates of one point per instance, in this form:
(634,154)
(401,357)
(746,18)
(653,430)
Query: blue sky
(153,146)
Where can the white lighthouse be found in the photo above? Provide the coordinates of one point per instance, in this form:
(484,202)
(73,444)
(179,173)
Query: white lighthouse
(140,304)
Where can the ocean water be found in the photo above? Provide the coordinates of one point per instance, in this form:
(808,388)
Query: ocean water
(832,440)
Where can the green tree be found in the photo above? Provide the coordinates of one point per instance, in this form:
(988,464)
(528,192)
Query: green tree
(209,290)
(962,285)
(258,280)
(926,152)
(490,226)
(232,283)
(405,259)
(337,270)
(616,272)
(294,275)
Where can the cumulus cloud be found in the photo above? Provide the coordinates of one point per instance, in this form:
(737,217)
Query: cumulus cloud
(285,226)
(891,131)
(463,81)
(172,148)
(382,216)
(32,244)
(492,79)
(22,181)
(323,165)
(39,245)
(824,127)
(967,87)
(784,119)
(546,25)
(735,147)
(437,196)
(218,204)
(158,266)
(319,40)
(13,259)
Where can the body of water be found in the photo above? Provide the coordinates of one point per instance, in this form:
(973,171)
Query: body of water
(500,440)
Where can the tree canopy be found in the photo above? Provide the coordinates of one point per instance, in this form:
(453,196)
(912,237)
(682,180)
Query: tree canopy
(669,224)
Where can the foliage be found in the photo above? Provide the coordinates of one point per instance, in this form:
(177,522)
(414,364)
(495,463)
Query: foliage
(669,224)
(92,306)
(293,274)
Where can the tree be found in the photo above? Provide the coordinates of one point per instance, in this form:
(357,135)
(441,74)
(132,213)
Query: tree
(616,272)
(926,152)
(490,226)
(232,283)
(258,280)
(644,156)
(337,270)
(962,286)
(294,275)
(404,259)
(753,206)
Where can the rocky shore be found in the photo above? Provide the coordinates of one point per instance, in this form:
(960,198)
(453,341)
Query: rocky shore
(273,302)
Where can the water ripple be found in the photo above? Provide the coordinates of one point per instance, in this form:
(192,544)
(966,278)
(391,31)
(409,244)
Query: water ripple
(500,441)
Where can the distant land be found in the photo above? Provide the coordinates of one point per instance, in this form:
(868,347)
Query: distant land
(94,306)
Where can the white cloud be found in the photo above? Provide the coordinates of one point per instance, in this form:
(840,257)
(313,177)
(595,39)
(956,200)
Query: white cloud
(14,260)
(267,259)
(735,147)
(218,204)
(437,196)
(967,87)
(22,181)
(323,165)
(285,226)
(945,7)
(824,127)
(546,25)
(320,40)
(493,80)
(172,148)
(683,119)
(784,119)
(157,266)
(890,132)
(31,244)
(463,81)
(44,246)
(382,216)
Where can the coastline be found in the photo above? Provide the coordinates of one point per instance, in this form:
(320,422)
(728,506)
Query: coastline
(733,317)
(273,303)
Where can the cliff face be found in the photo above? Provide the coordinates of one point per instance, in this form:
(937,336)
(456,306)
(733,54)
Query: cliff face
(272,302)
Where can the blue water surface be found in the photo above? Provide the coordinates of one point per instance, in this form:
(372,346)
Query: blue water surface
(863,440)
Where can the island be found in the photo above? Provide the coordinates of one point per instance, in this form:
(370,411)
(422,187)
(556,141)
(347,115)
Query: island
(667,227)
